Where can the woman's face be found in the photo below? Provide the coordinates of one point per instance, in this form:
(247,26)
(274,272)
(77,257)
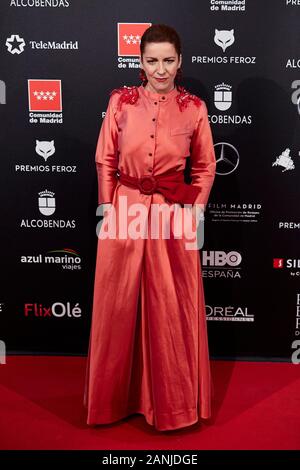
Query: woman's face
(160,61)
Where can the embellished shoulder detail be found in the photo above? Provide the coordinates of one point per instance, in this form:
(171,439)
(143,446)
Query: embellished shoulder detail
(185,96)
(128,94)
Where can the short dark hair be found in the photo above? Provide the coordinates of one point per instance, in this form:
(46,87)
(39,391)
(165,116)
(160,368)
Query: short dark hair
(160,33)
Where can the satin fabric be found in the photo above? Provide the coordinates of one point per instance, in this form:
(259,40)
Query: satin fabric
(148,350)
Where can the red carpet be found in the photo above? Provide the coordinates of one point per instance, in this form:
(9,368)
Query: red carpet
(257,406)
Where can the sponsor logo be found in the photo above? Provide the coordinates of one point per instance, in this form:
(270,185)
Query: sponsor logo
(221,264)
(45,101)
(228,313)
(46,202)
(56,310)
(234,212)
(227,158)
(47,207)
(278,263)
(292,63)
(129,38)
(285,161)
(289,225)
(66,258)
(39,4)
(223,38)
(223,102)
(45,149)
(222,96)
(292,265)
(16,44)
(233,6)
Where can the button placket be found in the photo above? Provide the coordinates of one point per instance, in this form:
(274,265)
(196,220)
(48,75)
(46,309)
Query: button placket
(152,136)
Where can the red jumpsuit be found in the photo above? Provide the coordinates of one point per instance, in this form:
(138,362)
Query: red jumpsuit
(148,349)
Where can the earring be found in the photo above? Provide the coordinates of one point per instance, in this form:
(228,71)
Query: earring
(178,76)
(142,76)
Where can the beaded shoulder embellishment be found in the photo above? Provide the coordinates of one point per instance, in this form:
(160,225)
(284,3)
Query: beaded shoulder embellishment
(184,97)
(128,94)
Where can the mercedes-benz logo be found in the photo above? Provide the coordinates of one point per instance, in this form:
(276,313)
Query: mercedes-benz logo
(227,158)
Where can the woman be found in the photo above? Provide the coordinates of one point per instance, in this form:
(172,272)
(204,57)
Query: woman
(148,348)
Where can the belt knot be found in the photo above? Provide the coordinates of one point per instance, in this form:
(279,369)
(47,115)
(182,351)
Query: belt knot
(147,184)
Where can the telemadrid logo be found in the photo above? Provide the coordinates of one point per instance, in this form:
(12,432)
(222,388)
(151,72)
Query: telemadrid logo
(15,44)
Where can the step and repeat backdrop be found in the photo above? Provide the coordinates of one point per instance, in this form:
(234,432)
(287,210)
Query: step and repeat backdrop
(59,61)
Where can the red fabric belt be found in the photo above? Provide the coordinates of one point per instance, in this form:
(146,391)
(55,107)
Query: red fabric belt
(171,184)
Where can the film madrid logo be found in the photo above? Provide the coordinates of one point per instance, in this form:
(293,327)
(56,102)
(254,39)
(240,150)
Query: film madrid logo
(248,212)
(129,38)
(220,265)
(66,258)
(44,150)
(290,264)
(45,101)
(228,5)
(56,310)
(223,38)
(16,44)
(47,207)
(223,102)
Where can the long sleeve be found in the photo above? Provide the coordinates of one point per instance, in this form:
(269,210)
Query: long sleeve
(203,160)
(107,154)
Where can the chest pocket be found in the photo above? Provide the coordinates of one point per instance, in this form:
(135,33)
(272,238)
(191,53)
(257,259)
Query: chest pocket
(181,130)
